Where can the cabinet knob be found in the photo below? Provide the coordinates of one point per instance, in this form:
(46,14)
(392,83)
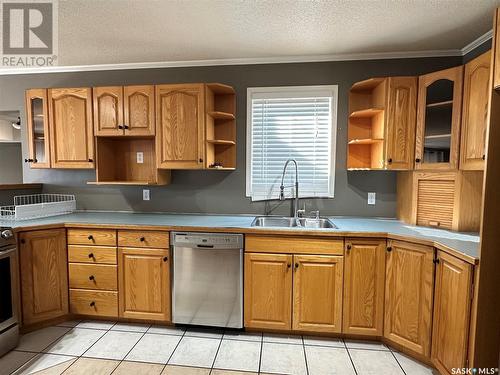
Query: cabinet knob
(296,265)
(484,157)
(92,304)
(436,261)
(389,249)
(91,160)
(90,237)
(35,160)
(389,160)
(25,160)
(125,126)
(348,247)
(91,255)
(91,277)
(120,127)
(165,259)
(288,265)
(200,160)
(418,160)
(23,241)
(142,239)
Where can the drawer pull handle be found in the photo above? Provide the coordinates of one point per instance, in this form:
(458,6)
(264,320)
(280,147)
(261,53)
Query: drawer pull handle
(142,239)
(165,259)
(90,237)
(91,255)
(91,277)
(389,249)
(434,223)
(92,304)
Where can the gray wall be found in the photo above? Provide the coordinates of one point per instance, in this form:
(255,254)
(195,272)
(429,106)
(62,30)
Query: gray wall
(10,163)
(224,192)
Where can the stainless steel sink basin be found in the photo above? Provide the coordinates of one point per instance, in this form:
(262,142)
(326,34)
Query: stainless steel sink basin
(290,222)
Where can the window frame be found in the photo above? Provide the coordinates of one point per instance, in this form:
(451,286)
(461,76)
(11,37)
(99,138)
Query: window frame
(294,91)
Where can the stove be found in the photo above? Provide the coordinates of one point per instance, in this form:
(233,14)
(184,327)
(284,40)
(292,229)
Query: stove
(9,291)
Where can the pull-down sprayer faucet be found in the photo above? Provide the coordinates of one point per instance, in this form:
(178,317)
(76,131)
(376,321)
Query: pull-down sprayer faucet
(294,206)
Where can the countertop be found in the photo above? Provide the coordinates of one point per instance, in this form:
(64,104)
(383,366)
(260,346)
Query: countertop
(466,245)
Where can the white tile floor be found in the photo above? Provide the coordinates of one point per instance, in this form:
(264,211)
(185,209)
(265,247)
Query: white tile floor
(97,347)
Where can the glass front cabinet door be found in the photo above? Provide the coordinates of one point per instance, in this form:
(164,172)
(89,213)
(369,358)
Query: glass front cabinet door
(37,128)
(438,119)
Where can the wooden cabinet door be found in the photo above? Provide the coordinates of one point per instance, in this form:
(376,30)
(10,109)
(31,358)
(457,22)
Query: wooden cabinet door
(317,293)
(139,110)
(37,118)
(268,291)
(496,49)
(44,275)
(71,130)
(144,283)
(364,283)
(401,123)
(408,295)
(438,119)
(452,304)
(179,126)
(108,110)
(475,112)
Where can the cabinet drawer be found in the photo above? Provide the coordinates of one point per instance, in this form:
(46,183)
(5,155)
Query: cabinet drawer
(139,238)
(91,254)
(93,276)
(435,203)
(293,244)
(102,237)
(93,302)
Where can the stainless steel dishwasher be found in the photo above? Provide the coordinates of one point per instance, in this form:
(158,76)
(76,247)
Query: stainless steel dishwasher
(207,279)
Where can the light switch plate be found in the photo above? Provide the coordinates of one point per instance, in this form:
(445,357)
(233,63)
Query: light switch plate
(145,195)
(371,198)
(140,157)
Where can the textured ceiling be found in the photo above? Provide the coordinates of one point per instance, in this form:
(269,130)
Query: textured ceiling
(131,31)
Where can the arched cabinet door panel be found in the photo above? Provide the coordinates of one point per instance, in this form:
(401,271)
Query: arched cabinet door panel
(138,110)
(179,126)
(71,128)
(108,110)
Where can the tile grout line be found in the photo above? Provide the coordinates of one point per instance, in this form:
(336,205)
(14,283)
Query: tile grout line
(305,355)
(261,348)
(402,369)
(217,352)
(350,358)
(173,351)
(132,348)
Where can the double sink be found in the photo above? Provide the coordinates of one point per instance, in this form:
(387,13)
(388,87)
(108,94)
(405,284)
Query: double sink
(291,222)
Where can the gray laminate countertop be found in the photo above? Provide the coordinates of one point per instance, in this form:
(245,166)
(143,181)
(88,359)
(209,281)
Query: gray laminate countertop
(464,243)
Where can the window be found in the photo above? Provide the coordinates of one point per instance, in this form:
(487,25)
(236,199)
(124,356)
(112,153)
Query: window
(291,123)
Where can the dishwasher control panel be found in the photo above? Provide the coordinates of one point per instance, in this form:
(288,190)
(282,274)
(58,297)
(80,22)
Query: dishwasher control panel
(208,240)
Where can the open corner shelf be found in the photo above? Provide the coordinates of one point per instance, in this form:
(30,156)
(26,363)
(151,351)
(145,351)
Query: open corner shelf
(220,127)
(366,124)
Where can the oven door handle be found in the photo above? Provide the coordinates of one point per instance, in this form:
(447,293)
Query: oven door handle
(6,253)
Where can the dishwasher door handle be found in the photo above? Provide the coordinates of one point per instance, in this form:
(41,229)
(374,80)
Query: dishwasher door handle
(205,246)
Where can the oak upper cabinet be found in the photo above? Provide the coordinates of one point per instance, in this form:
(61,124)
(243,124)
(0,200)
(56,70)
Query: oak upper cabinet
(317,293)
(268,291)
(144,283)
(475,113)
(452,305)
(364,283)
(38,128)
(71,130)
(44,275)
(401,122)
(438,119)
(180,113)
(408,295)
(496,49)
(125,110)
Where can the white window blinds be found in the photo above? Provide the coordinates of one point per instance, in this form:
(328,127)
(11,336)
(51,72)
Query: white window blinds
(291,123)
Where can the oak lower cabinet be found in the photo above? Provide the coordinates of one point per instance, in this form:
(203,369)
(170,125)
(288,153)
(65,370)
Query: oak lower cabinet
(364,282)
(144,283)
(452,308)
(299,292)
(408,295)
(44,279)
(180,121)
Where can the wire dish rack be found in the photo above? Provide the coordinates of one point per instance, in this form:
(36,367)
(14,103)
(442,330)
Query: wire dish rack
(38,205)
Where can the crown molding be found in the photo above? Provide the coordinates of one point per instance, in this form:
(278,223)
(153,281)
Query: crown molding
(476,43)
(253,61)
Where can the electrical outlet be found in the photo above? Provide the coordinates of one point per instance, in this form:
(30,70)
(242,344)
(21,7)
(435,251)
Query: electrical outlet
(140,158)
(145,195)
(371,198)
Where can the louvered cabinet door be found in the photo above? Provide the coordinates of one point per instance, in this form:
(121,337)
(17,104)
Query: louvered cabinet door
(401,123)
(108,110)
(475,112)
(139,110)
(435,200)
(180,126)
(408,295)
(452,306)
